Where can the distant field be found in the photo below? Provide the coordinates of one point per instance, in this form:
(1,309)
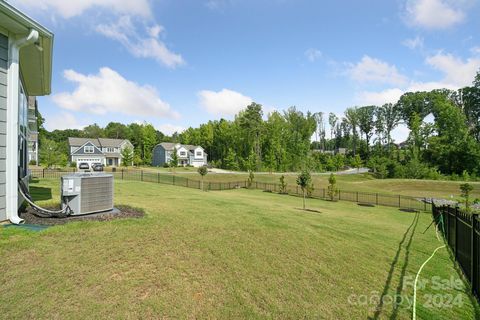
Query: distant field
(238,254)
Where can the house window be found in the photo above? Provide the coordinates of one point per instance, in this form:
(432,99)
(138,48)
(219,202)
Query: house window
(183,153)
(111,150)
(199,153)
(88,149)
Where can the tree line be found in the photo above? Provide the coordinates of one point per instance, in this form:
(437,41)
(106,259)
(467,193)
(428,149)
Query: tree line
(293,140)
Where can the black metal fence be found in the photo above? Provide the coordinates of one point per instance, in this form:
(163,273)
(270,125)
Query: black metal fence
(462,233)
(398,201)
(145,176)
(368,198)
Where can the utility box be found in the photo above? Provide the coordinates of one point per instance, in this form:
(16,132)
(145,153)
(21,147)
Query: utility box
(87,193)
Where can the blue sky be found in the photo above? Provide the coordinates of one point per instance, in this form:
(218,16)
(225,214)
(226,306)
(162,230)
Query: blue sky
(177,64)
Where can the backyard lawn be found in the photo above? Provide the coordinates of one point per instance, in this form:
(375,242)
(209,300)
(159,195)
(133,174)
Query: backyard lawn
(228,254)
(348,182)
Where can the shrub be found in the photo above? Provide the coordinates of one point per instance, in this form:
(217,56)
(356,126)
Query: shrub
(251,177)
(166,165)
(283,185)
(332,187)
(32,162)
(303,180)
(73,164)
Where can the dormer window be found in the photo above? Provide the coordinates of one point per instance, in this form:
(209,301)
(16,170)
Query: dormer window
(198,153)
(183,154)
(88,149)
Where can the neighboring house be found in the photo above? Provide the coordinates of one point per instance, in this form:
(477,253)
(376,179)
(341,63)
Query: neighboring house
(103,150)
(25,70)
(33,130)
(188,155)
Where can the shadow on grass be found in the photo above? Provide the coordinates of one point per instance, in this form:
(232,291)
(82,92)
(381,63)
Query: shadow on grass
(410,230)
(309,210)
(40,193)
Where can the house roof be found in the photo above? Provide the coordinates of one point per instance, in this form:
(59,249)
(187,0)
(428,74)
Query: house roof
(100,142)
(169,146)
(35,64)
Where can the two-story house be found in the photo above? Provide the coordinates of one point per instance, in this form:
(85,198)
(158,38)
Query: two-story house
(25,70)
(101,150)
(188,155)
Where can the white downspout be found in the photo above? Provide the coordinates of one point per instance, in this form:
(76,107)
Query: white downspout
(13,91)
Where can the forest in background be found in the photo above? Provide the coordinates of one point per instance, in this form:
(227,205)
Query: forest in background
(293,140)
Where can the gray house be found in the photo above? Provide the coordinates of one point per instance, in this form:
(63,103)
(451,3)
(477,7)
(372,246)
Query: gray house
(103,150)
(25,70)
(188,155)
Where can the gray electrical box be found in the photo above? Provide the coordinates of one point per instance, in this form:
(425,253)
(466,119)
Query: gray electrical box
(87,193)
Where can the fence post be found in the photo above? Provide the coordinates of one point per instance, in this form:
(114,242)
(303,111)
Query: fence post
(122,174)
(141,171)
(339,195)
(456,231)
(399,201)
(158,177)
(357,196)
(473,264)
(424,204)
(297,189)
(376,198)
(173,179)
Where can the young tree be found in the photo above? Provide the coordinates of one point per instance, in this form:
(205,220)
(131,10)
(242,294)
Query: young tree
(356,162)
(283,185)
(332,187)
(203,172)
(251,177)
(466,188)
(51,154)
(127,156)
(174,159)
(303,181)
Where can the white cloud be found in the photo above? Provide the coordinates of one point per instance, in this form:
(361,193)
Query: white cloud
(68,8)
(415,43)
(170,129)
(108,92)
(435,14)
(63,120)
(375,70)
(379,98)
(224,102)
(124,31)
(313,54)
(457,72)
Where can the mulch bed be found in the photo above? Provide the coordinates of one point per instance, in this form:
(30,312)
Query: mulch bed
(123,212)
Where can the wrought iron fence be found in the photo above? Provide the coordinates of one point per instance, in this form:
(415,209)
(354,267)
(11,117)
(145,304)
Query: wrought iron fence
(368,198)
(462,233)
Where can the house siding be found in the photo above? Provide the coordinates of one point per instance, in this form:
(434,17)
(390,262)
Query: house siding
(3,122)
(158,156)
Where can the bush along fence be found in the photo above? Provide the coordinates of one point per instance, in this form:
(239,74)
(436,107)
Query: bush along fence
(461,231)
(398,201)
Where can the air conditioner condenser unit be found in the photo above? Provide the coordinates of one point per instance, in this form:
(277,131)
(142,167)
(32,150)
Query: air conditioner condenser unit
(86,193)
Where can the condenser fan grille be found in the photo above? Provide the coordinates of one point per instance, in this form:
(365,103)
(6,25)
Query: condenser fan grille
(97,194)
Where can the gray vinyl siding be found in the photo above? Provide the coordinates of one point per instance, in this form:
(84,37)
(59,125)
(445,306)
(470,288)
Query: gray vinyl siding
(3,121)
(158,156)
(80,152)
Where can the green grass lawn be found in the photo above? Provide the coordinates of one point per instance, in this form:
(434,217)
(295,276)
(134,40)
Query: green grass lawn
(228,254)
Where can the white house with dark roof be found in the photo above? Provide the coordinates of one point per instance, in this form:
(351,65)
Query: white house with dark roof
(188,155)
(102,150)
(25,70)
